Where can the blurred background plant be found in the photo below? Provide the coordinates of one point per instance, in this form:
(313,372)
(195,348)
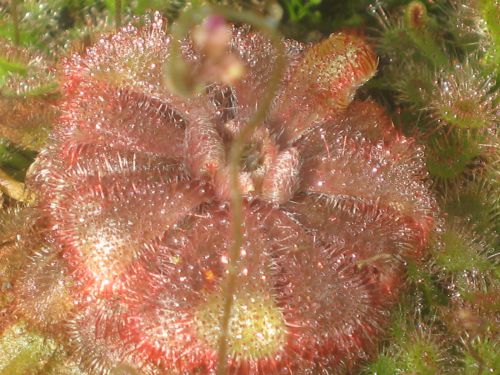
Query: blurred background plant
(438,77)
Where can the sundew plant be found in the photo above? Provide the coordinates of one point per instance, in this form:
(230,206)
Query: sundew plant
(249,187)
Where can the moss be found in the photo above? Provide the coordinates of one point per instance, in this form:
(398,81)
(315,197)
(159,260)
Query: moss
(23,351)
(461,255)
(481,357)
(421,356)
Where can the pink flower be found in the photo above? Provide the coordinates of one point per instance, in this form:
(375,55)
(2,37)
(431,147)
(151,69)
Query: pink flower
(135,187)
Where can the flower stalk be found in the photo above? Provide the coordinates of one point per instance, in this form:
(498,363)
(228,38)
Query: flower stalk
(179,31)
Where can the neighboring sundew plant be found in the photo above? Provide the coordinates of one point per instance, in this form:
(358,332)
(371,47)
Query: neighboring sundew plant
(27,97)
(213,200)
(440,60)
(448,87)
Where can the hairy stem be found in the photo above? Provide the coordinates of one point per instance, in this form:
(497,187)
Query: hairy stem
(180,30)
(235,155)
